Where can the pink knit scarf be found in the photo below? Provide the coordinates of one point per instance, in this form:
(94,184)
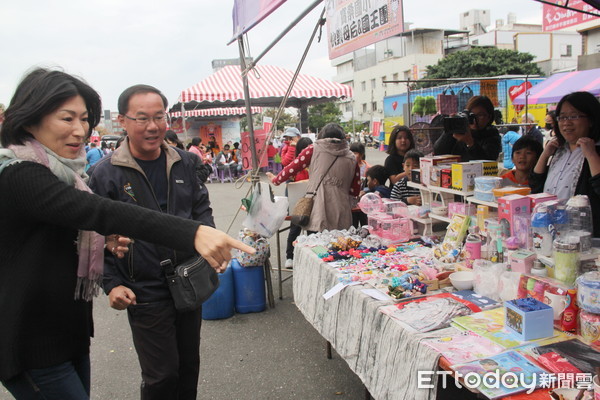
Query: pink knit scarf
(90,244)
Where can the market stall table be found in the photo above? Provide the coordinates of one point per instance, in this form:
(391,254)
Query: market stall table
(384,355)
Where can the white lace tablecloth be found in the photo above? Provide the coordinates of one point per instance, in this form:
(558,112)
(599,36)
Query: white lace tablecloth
(385,356)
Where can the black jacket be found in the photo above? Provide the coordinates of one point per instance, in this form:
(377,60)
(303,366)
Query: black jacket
(140,270)
(487,145)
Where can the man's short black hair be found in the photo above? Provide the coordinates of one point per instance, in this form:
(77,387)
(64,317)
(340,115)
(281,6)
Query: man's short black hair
(123,102)
(378,172)
(527,142)
(413,154)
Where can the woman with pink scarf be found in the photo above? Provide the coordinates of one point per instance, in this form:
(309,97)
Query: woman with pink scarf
(51,257)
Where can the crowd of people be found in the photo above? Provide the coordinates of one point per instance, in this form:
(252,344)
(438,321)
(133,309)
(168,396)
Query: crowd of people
(75,223)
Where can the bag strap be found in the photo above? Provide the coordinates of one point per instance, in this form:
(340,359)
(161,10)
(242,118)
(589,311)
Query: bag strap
(323,177)
(143,199)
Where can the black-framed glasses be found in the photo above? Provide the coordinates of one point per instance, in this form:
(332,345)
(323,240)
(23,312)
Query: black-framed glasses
(143,121)
(563,118)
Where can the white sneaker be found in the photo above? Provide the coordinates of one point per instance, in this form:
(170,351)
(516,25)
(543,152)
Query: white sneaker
(289,263)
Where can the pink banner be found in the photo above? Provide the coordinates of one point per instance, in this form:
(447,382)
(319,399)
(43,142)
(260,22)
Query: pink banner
(260,137)
(376,128)
(248,13)
(267,124)
(556,18)
(353,24)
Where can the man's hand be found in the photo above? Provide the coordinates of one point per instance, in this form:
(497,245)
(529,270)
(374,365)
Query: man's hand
(121,297)
(215,246)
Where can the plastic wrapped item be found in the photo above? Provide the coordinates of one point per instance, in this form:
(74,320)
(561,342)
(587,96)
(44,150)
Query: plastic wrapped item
(485,196)
(507,190)
(541,225)
(566,260)
(509,285)
(487,183)
(487,278)
(267,212)
(588,292)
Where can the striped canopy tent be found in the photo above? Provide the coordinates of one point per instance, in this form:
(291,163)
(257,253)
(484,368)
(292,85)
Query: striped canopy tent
(216,112)
(267,84)
(558,85)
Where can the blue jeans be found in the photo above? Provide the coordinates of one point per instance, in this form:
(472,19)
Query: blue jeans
(66,381)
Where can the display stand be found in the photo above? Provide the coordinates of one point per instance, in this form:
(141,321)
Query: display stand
(428,194)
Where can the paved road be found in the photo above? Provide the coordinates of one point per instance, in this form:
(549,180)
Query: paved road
(275,354)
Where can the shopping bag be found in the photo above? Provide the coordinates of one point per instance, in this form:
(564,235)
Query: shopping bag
(464,94)
(267,212)
(447,102)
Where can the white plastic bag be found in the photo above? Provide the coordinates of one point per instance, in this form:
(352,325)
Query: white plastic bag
(267,212)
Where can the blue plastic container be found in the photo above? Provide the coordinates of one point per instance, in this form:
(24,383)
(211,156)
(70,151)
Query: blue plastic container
(221,304)
(249,285)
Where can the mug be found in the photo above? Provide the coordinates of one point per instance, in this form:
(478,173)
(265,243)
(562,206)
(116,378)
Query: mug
(558,302)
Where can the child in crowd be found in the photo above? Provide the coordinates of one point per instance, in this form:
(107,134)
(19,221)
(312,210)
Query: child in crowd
(401,191)
(377,175)
(525,153)
(359,152)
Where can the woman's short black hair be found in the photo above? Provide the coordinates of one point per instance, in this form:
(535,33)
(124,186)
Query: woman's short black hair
(41,92)
(484,102)
(123,102)
(528,142)
(172,137)
(357,147)
(332,130)
(397,129)
(196,141)
(378,172)
(585,103)
(301,144)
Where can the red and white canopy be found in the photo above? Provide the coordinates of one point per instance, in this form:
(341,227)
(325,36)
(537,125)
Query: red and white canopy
(268,85)
(210,112)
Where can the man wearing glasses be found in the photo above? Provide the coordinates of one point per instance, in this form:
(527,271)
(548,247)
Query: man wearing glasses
(146,171)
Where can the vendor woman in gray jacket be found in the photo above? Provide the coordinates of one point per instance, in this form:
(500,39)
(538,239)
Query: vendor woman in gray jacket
(331,161)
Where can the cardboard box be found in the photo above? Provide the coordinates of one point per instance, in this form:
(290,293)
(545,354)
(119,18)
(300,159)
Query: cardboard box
(539,198)
(446,178)
(509,207)
(464,174)
(415,175)
(426,164)
(529,319)
(522,261)
(436,174)
(490,167)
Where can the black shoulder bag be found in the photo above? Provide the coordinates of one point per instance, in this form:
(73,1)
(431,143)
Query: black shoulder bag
(190,282)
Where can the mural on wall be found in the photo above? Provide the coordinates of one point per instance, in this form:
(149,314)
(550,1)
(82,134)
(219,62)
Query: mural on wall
(453,97)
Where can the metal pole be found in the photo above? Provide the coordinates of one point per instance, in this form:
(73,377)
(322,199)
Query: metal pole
(526,95)
(255,165)
(185,134)
(409,104)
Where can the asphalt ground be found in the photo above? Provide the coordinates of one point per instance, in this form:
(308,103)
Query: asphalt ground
(275,354)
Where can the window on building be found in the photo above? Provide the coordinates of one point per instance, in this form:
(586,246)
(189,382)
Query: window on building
(372,83)
(407,74)
(348,107)
(363,86)
(374,106)
(383,78)
(566,50)
(395,77)
(364,107)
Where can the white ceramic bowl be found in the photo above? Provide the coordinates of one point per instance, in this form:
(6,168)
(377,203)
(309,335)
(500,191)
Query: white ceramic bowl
(462,280)
(443,211)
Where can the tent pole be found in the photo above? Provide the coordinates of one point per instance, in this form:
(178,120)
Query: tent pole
(255,165)
(185,134)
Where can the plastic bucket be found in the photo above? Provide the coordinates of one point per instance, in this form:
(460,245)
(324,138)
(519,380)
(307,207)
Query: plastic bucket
(221,304)
(249,283)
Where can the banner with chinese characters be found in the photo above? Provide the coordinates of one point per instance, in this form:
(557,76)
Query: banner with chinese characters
(353,24)
(556,18)
(260,138)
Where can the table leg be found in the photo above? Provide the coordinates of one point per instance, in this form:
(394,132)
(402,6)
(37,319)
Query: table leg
(329,355)
(279,265)
(267,268)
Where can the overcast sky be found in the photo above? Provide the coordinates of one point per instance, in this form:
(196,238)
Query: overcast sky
(114,44)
